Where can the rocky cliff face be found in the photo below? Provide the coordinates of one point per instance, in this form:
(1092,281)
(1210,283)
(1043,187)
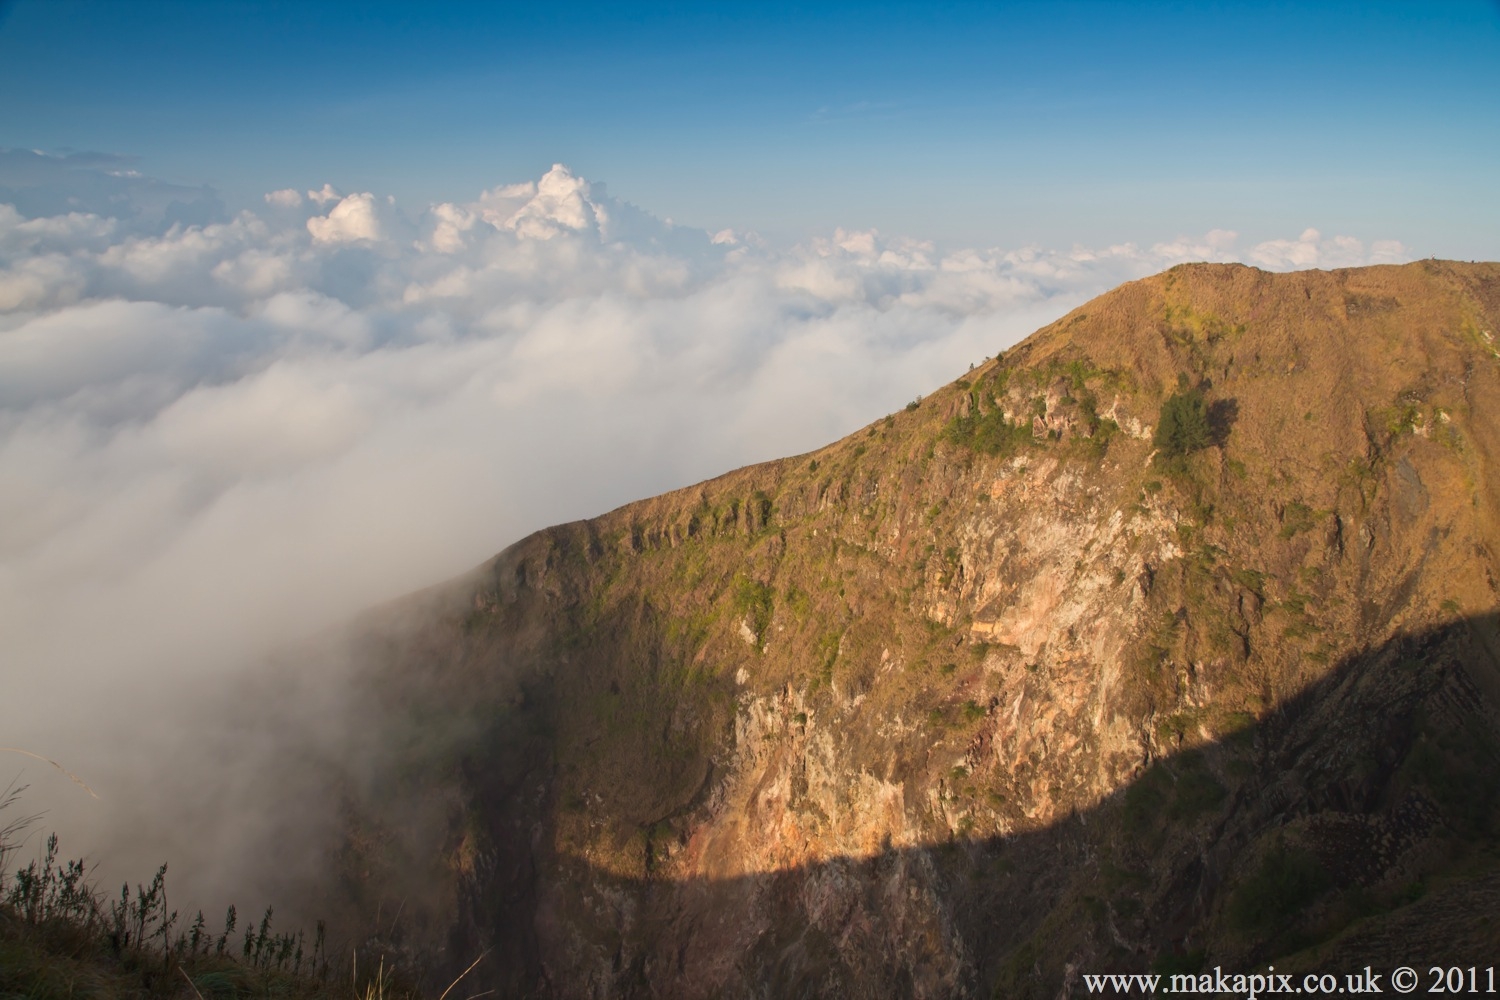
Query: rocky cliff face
(998,690)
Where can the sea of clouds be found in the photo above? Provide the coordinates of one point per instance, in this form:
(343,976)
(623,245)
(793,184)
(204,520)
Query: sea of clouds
(221,432)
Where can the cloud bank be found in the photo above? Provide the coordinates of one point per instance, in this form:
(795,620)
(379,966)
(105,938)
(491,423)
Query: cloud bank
(218,435)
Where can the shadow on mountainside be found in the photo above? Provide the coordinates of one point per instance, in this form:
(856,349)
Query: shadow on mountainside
(1355,824)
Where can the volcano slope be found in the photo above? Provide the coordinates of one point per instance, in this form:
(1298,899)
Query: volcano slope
(1003,689)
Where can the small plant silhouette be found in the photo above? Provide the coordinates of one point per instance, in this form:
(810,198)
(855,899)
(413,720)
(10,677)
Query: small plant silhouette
(58,926)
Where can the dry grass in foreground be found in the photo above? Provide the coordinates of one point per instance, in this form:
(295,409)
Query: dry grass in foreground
(60,937)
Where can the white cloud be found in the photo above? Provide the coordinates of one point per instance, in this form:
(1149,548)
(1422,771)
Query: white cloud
(1311,249)
(353,219)
(216,437)
(256,272)
(326,195)
(449,224)
(285,198)
(560,202)
(39,282)
(263,425)
(53,233)
(63,361)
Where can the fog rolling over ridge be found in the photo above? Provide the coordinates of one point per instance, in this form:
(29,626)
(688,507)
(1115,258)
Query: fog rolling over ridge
(223,436)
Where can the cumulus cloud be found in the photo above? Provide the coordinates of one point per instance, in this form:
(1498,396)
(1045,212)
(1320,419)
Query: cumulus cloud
(1312,249)
(327,194)
(352,220)
(216,436)
(560,202)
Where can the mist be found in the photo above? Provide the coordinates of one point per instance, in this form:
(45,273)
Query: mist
(223,438)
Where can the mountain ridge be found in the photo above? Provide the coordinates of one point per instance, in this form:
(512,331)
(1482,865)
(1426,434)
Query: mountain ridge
(969,623)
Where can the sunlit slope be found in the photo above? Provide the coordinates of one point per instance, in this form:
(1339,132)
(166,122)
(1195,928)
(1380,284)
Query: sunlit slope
(1006,681)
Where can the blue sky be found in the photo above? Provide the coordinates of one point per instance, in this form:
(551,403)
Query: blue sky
(982,124)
